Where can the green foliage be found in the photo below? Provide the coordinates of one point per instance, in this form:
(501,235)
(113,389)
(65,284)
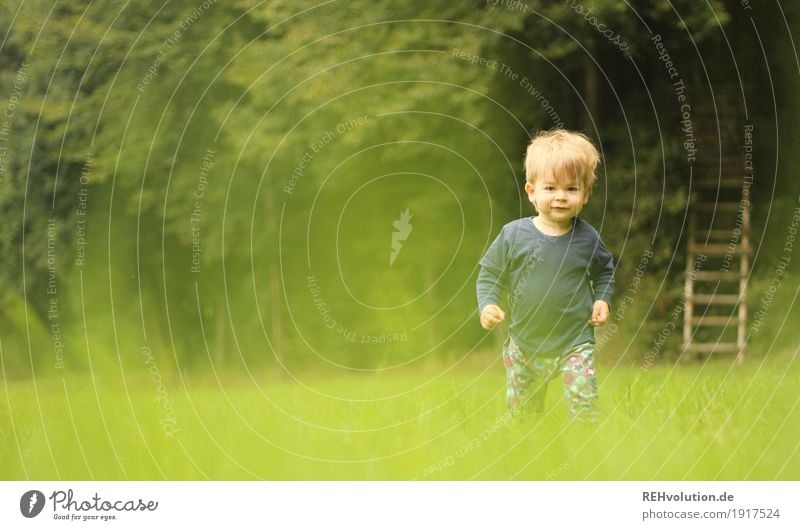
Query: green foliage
(240,157)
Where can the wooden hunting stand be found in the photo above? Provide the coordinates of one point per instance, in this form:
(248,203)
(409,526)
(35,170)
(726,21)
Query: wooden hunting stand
(718,253)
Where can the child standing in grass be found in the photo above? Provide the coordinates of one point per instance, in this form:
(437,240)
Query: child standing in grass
(555,277)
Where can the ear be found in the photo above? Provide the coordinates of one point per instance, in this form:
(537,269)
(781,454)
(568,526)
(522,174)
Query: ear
(529,188)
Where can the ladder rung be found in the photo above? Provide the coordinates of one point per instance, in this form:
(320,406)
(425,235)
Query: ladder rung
(717,275)
(714,347)
(720,234)
(722,299)
(713,321)
(718,206)
(713,166)
(718,249)
(718,183)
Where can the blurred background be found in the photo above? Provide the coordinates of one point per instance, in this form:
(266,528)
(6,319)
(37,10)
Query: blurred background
(299,186)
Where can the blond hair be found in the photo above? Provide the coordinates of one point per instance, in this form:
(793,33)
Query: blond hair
(562,154)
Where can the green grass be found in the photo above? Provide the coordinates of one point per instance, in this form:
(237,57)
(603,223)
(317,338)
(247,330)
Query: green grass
(696,421)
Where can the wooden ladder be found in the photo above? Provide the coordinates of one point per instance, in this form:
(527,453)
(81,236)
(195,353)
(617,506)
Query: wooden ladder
(717,267)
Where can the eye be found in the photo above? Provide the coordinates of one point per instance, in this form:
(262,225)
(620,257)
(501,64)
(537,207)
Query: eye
(573,188)
(549,188)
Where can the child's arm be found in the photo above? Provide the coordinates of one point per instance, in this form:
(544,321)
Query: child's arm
(491,291)
(603,284)
(491,284)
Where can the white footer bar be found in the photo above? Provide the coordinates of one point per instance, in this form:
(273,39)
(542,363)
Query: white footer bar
(400,505)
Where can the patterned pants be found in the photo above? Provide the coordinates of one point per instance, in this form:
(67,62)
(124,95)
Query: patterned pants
(527,378)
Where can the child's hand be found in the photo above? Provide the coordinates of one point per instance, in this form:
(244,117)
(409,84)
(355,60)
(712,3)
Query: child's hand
(600,312)
(491,316)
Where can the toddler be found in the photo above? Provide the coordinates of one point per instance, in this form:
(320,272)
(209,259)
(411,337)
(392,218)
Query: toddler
(554,276)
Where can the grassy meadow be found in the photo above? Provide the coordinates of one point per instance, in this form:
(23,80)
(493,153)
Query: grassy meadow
(695,421)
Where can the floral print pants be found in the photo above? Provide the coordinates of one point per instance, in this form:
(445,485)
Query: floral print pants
(527,378)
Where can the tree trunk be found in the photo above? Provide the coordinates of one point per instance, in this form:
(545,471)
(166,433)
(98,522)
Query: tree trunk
(592,91)
(275,296)
(219,333)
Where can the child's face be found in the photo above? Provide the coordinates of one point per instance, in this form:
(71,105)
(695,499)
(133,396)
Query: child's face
(557,202)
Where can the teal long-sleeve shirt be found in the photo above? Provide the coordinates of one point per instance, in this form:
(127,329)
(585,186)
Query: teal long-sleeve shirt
(546,284)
